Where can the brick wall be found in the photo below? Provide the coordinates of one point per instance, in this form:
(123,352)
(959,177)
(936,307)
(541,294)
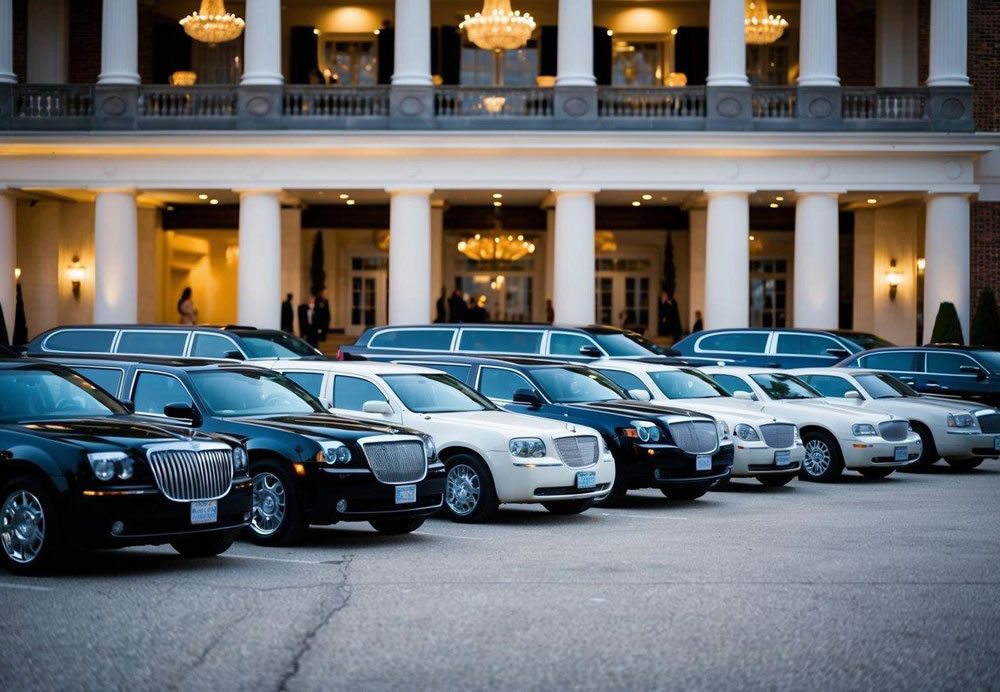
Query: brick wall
(984,63)
(985,248)
(856,42)
(84,41)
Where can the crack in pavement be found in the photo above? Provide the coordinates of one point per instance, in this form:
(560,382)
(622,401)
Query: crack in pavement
(202,657)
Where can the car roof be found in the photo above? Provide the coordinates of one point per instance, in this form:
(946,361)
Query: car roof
(842,372)
(631,365)
(368,367)
(589,328)
(498,359)
(112,359)
(742,370)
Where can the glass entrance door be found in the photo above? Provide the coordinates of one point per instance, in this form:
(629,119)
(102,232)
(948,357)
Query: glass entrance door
(768,293)
(622,296)
(369,292)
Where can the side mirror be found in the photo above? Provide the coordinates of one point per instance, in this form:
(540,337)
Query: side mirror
(233,355)
(973,370)
(129,406)
(853,395)
(640,394)
(744,396)
(183,412)
(379,407)
(838,352)
(590,352)
(527,396)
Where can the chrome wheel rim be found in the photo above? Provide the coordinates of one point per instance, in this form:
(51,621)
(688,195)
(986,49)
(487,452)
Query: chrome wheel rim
(817,459)
(22,526)
(268,503)
(464,488)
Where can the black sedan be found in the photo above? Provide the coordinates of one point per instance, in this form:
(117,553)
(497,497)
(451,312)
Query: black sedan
(681,452)
(308,466)
(78,471)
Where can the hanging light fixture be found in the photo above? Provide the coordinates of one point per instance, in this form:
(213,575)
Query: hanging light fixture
(762,28)
(498,28)
(212,24)
(507,248)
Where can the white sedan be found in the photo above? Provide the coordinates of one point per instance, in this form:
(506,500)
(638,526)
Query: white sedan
(766,447)
(963,433)
(874,444)
(492,456)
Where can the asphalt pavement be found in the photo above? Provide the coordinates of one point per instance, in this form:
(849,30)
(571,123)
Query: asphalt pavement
(857,585)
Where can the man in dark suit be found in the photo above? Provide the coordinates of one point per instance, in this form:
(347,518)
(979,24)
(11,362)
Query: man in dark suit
(322,316)
(456,307)
(288,315)
(308,322)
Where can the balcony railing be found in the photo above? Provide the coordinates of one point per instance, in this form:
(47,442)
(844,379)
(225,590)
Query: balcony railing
(98,107)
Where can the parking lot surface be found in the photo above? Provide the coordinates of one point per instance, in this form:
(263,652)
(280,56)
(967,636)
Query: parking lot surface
(856,585)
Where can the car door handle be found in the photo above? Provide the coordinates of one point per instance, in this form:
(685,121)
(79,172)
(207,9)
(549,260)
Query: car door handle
(907,380)
(774,365)
(933,385)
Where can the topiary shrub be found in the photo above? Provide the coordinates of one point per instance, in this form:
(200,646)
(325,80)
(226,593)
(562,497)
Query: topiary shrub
(947,328)
(986,324)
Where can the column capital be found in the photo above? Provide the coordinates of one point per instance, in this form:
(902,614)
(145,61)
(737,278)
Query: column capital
(251,191)
(120,189)
(724,191)
(810,191)
(575,190)
(409,190)
(953,191)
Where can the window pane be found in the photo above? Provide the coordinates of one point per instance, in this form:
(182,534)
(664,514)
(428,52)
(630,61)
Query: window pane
(805,344)
(153,343)
(948,363)
(732,342)
(251,392)
(500,384)
(428,339)
(732,384)
(153,392)
(108,379)
(351,393)
(312,382)
(42,393)
(782,387)
(829,385)
(899,361)
(81,341)
(498,341)
(568,344)
(686,384)
(211,346)
(459,372)
(625,380)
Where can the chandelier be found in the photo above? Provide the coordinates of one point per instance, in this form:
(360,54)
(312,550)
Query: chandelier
(497,27)
(762,28)
(508,248)
(212,24)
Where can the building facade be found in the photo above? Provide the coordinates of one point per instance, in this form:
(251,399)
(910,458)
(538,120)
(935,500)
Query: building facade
(845,174)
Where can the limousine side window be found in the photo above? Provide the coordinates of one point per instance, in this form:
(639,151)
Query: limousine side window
(423,339)
(153,391)
(312,382)
(108,379)
(806,344)
(830,385)
(152,343)
(500,341)
(893,361)
(495,383)
(212,346)
(949,363)
(351,393)
(459,372)
(734,342)
(81,341)
(561,344)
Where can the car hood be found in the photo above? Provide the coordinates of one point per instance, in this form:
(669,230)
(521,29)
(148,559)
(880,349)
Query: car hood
(324,426)
(729,409)
(111,433)
(911,406)
(631,409)
(802,411)
(502,422)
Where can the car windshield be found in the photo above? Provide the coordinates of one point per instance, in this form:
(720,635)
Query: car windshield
(251,393)
(276,345)
(779,387)
(865,340)
(990,359)
(575,385)
(44,393)
(624,344)
(426,393)
(884,386)
(686,384)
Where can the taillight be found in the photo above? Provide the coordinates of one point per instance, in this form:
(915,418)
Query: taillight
(340,354)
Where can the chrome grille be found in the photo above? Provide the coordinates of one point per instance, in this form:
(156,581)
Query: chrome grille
(778,434)
(695,437)
(578,451)
(185,475)
(989,423)
(396,462)
(894,430)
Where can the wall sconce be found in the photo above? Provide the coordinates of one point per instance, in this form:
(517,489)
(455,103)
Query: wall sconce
(893,278)
(921,265)
(232,254)
(17,273)
(76,273)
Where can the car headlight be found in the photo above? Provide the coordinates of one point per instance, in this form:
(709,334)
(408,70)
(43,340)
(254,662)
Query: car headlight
(864,430)
(429,449)
(646,431)
(108,465)
(723,429)
(962,420)
(239,460)
(527,447)
(333,452)
(797,438)
(746,432)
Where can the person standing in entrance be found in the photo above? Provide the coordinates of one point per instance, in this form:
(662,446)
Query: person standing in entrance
(308,318)
(669,317)
(697,327)
(186,309)
(440,307)
(456,307)
(288,315)
(322,316)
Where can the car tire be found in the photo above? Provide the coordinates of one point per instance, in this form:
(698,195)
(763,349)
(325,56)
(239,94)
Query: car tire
(928,454)
(34,543)
(470,495)
(964,464)
(723,483)
(616,495)
(824,462)
(685,494)
(277,517)
(876,473)
(566,507)
(204,546)
(776,480)
(396,527)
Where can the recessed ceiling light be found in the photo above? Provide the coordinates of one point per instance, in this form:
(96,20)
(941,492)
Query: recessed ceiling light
(350,202)
(751,237)
(344,196)
(673,32)
(780,199)
(498,204)
(873,201)
(610,32)
(319,192)
(647,197)
(636,203)
(213,201)
(170,207)
(497,195)
(664,198)
(774,205)
(202,196)
(376,32)
(316,31)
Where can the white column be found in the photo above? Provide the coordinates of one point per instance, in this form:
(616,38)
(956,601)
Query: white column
(116,257)
(437,252)
(119,43)
(576,45)
(550,252)
(727,260)
(818,44)
(412,66)
(7,75)
(410,256)
(573,257)
(697,219)
(817,252)
(259,277)
(946,247)
(291,254)
(8,258)
(896,43)
(262,44)
(949,38)
(727,58)
(48,42)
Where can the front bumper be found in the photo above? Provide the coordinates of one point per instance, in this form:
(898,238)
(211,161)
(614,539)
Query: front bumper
(148,517)
(960,445)
(664,466)
(876,452)
(757,459)
(546,479)
(323,487)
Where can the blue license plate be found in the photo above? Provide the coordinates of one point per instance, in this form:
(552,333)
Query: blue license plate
(586,479)
(406,494)
(782,457)
(996,443)
(205,512)
(703,462)
(901,454)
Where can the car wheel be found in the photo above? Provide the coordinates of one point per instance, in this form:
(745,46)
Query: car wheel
(204,546)
(776,480)
(824,461)
(617,493)
(723,483)
(29,527)
(276,518)
(875,473)
(568,506)
(469,493)
(928,453)
(396,527)
(964,464)
(685,494)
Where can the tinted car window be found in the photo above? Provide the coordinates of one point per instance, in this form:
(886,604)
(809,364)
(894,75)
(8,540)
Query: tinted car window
(569,385)
(276,345)
(250,393)
(427,339)
(500,341)
(43,393)
(459,372)
(948,363)
(351,393)
(899,361)
(501,384)
(568,344)
(686,384)
(732,384)
(734,342)
(81,341)
(882,386)
(153,343)
(108,379)
(153,391)
(806,344)
(625,380)
(211,346)
(829,385)
(990,359)
(312,382)
(782,387)
(436,394)
(620,345)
